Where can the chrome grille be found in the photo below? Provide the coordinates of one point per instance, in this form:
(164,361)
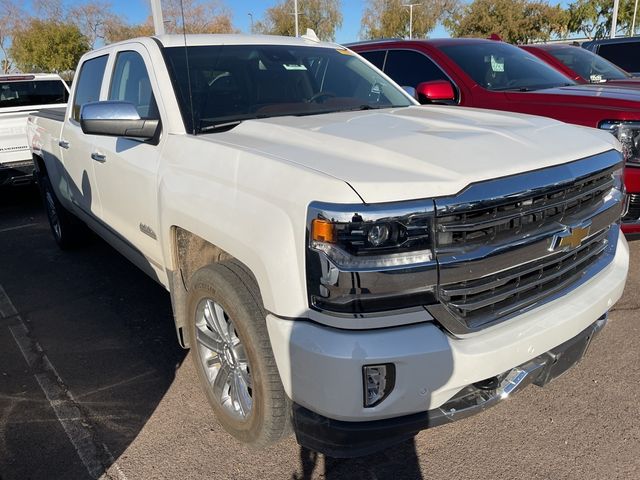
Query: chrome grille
(516,217)
(479,301)
(511,244)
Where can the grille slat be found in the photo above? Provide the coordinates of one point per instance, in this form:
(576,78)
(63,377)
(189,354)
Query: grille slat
(486,224)
(479,286)
(466,302)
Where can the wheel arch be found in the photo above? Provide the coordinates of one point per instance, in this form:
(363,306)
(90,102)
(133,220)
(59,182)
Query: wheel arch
(190,252)
(39,164)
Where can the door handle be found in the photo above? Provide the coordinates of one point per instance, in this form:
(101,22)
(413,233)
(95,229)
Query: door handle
(63,143)
(98,157)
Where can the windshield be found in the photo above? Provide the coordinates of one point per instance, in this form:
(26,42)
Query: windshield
(500,66)
(593,68)
(230,83)
(27,93)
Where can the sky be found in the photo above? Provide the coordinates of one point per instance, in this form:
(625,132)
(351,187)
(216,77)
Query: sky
(138,10)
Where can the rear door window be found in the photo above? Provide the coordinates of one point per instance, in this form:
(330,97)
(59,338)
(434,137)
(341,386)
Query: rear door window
(89,83)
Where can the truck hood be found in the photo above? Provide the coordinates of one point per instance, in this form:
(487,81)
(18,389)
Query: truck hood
(632,82)
(416,152)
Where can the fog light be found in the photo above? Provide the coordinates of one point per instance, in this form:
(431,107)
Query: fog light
(378,381)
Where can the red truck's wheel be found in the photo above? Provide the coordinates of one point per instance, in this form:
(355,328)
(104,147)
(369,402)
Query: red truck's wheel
(233,355)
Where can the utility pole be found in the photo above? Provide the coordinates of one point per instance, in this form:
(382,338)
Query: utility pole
(156,12)
(614,19)
(411,5)
(633,23)
(295,13)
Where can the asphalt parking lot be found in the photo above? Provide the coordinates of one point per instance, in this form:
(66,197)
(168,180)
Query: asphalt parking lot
(94,385)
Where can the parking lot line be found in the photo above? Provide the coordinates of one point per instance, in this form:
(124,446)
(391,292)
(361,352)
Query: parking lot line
(6,307)
(96,458)
(10,229)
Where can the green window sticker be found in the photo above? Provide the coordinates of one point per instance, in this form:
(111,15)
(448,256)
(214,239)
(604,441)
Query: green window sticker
(497,64)
(293,66)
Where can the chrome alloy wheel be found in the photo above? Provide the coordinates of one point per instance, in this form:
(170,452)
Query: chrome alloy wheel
(224,359)
(53,214)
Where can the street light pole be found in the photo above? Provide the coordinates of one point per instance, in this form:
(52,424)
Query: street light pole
(295,13)
(251,17)
(633,23)
(411,5)
(156,13)
(614,19)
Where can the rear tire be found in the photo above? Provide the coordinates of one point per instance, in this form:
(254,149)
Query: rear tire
(233,356)
(68,231)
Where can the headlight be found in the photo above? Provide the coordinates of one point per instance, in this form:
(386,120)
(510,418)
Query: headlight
(370,258)
(364,238)
(629,135)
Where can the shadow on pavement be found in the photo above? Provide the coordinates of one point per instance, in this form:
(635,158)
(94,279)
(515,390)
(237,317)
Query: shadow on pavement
(108,331)
(105,327)
(400,461)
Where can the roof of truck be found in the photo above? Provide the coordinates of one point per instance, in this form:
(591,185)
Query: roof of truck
(238,39)
(436,42)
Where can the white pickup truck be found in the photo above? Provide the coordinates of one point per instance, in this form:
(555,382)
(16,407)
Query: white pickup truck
(21,95)
(342,262)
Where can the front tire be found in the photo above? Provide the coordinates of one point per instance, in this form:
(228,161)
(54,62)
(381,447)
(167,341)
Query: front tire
(233,356)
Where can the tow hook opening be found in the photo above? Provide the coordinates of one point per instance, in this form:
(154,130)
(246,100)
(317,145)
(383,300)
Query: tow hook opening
(490,383)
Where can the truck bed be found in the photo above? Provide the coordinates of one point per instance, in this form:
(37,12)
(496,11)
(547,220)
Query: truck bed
(51,113)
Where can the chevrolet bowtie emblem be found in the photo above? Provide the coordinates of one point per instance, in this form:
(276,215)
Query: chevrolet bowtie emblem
(570,238)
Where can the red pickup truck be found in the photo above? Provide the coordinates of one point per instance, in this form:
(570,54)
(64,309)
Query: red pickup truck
(496,75)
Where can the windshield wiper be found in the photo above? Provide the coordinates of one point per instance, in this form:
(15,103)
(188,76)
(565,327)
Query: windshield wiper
(514,89)
(220,127)
(365,106)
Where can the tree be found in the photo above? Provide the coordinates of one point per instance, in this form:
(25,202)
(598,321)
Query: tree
(516,21)
(390,18)
(48,9)
(93,18)
(117,31)
(199,16)
(592,18)
(323,16)
(47,45)
(9,21)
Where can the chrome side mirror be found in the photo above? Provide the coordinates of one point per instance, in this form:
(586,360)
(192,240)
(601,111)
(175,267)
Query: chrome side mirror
(116,119)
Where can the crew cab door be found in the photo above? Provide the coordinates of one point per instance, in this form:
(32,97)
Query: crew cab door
(75,146)
(126,168)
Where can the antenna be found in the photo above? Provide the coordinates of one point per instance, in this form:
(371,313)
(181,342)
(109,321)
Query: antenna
(311,35)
